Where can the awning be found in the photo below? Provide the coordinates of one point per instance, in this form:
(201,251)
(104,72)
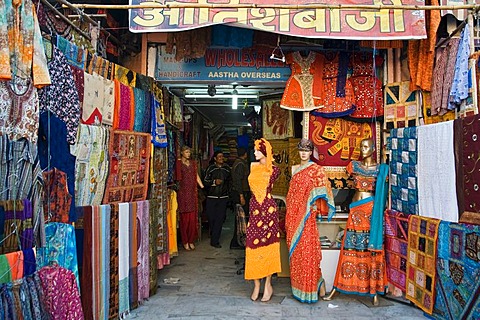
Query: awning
(346,19)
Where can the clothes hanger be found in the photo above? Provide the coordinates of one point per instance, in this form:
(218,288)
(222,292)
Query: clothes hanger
(277,51)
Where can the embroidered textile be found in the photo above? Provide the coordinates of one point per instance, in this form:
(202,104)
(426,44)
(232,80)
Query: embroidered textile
(421,262)
(309,197)
(60,248)
(125,76)
(93,102)
(172,207)
(91,164)
(338,94)
(62,298)
(129,154)
(57,199)
(303,91)
(467,144)
(79,79)
(19,108)
(437,196)
(21,54)
(458,270)
(402,144)
(400,106)
(262,255)
(277,122)
(396,242)
(54,152)
(337,141)
(359,270)
(367,88)
(61,97)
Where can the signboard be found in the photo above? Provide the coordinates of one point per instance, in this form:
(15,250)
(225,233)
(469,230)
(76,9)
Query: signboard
(221,65)
(284,18)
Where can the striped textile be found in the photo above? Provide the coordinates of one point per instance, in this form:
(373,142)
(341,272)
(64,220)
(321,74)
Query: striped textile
(132,260)
(114,299)
(123,259)
(154,213)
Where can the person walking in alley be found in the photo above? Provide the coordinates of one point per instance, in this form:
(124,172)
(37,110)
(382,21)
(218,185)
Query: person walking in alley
(218,181)
(240,190)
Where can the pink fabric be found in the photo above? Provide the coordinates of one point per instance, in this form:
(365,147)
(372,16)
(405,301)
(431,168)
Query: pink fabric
(62,299)
(125,116)
(143,253)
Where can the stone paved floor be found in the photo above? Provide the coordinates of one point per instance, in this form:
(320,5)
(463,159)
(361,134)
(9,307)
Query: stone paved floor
(209,287)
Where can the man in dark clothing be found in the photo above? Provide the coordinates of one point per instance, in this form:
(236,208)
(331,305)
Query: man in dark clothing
(218,181)
(240,190)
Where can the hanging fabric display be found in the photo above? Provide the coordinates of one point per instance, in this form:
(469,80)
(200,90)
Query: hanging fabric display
(123,259)
(396,242)
(159,135)
(61,97)
(22,54)
(75,55)
(91,164)
(129,159)
(457,286)
(422,253)
(338,92)
(400,106)
(277,122)
(403,170)
(304,91)
(143,257)
(19,108)
(367,88)
(337,141)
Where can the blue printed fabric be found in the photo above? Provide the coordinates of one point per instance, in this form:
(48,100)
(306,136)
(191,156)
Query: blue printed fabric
(403,169)
(458,271)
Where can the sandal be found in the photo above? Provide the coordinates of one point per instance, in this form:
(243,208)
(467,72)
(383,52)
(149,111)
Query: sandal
(192,246)
(186,247)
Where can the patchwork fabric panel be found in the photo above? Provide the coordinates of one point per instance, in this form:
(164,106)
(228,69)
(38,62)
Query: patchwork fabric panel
(421,261)
(400,108)
(396,244)
(458,270)
(403,170)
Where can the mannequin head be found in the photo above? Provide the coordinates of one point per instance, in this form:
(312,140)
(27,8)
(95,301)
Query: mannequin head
(186,152)
(305,149)
(367,148)
(263,152)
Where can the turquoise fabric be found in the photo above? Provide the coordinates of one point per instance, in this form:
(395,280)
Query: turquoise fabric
(379,202)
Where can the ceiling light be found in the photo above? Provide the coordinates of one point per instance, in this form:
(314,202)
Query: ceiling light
(220,96)
(234,102)
(211,90)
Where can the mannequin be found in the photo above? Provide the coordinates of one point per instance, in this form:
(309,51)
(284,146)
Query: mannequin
(188,179)
(359,255)
(309,197)
(262,250)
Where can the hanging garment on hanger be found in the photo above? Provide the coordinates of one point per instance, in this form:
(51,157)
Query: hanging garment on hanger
(337,88)
(60,248)
(57,199)
(19,110)
(18,226)
(22,53)
(61,98)
(304,91)
(62,297)
(367,87)
(54,152)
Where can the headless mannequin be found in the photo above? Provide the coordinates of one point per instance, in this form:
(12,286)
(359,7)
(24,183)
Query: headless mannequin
(268,289)
(367,148)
